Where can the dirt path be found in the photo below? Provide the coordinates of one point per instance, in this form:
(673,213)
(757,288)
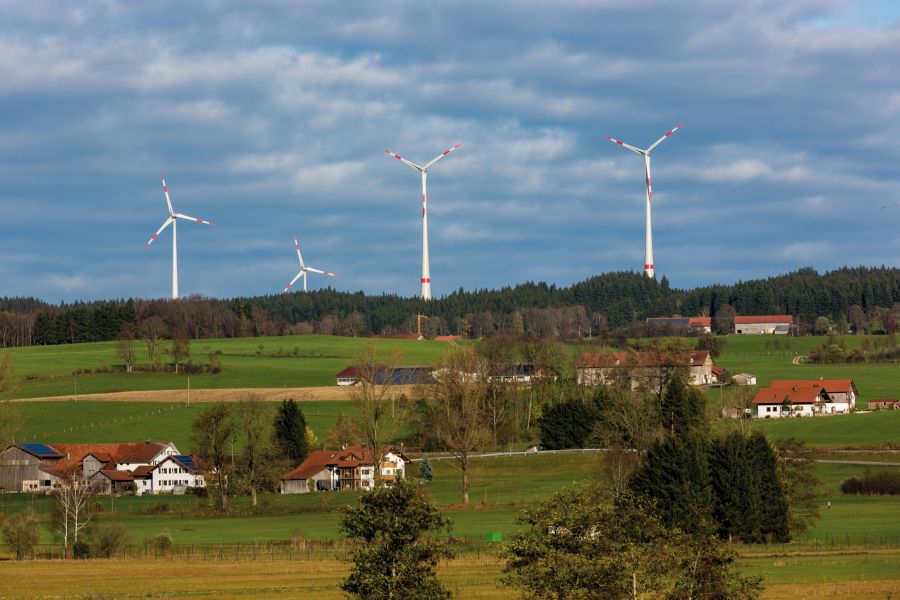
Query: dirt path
(304,394)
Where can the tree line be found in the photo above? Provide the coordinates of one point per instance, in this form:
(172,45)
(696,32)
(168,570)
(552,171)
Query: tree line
(861,299)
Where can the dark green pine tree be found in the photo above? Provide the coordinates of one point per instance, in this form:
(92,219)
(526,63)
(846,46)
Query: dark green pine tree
(683,407)
(773,504)
(736,489)
(425,472)
(290,431)
(568,424)
(675,473)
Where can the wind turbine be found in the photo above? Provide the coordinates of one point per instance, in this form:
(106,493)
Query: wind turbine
(171,220)
(303,270)
(423,169)
(648,244)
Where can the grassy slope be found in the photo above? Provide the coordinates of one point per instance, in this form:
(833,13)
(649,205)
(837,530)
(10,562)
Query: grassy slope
(48,369)
(760,356)
(100,421)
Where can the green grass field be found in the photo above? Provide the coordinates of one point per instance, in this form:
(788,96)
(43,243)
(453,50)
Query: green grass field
(101,421)
(265,362)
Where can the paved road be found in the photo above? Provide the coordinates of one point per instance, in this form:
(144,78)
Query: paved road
(871,463)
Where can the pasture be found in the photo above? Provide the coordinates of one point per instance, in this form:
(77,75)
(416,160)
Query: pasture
(263,362)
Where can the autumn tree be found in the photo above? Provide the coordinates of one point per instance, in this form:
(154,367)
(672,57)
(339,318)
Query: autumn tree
(258,459)
(454,408)
(212,439)
(345,432)
(20,533)
(181,348)
(582,543)
(153,332)
(724,319)
(125,346)
(398,555)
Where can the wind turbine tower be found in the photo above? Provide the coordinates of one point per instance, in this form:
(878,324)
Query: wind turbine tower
(648,242)
(423,169)
(303,270)
(172,220)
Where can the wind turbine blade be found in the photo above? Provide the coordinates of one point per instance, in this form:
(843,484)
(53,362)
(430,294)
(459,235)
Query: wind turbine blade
(319,271)
(167,222)
(441,155)
(166,192)
(181,216)
(624,145)
(299,256)
(656,143)
(404,161)
(293,281)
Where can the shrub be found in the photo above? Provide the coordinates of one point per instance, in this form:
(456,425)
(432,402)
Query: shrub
(161,543)
(81,550)
(872,484)
(109,539)
(20,534)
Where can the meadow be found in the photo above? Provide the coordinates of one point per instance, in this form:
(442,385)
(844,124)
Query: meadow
(853,550)
(264,362)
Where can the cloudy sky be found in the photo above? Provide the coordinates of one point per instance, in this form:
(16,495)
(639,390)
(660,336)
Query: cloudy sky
(272,119)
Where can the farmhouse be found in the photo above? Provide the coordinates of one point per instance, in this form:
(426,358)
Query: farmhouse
(110,467)
(798,398)
(601,368)
(771,324)
(176,474)
(347,469)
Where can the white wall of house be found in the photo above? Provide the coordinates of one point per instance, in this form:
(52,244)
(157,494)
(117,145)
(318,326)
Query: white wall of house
(169,450)
(347,380)
(169,474)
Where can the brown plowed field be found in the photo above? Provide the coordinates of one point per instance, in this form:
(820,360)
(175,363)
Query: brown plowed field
(303,394)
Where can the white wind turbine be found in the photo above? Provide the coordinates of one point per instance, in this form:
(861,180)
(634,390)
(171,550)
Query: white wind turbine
(303,270)
(171,220)
(648,248)
(423,169)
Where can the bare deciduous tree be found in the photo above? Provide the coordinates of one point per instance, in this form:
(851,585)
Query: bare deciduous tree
(125,346)
(379,410)
(71,516)
(181,348)
(153,331)
(455,408)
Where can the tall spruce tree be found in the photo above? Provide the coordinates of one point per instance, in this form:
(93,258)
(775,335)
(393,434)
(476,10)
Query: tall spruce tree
(736,489)
(772,499)
(682,407)
(675,474)
(290,431)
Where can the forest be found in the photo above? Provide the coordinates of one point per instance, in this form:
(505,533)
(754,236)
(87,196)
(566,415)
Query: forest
(859,300)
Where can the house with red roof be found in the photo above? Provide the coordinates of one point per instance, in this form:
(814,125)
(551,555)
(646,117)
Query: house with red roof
(601,368)
(762,325)
(805,398)
(351,468)
(111,467)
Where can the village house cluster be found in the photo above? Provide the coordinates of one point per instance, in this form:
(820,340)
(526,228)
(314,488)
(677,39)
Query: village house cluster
(138,467)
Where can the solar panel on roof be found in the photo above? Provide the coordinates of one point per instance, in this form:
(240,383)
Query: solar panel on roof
(187,461)
(39,449)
